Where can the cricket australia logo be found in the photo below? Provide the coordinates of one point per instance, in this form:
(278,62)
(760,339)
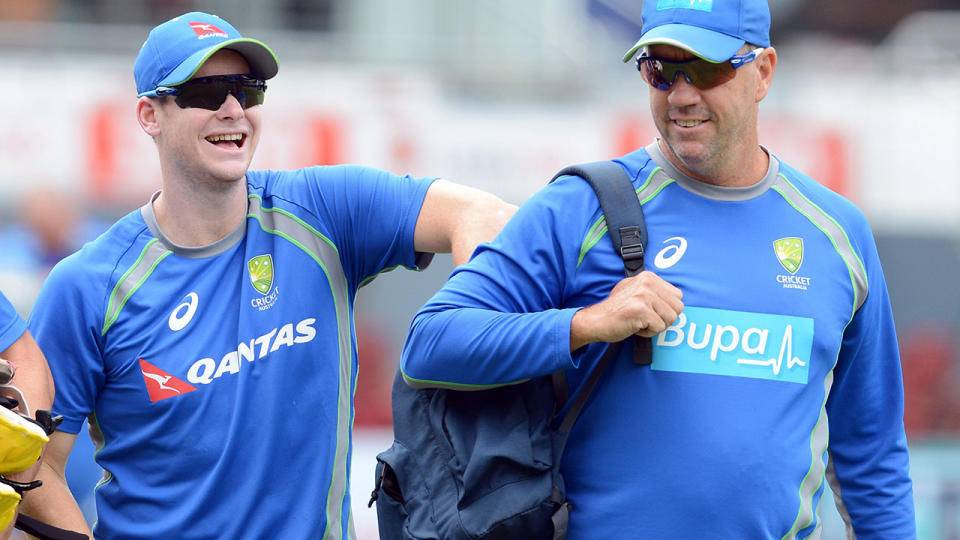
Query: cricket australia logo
(789,252)
(260,270)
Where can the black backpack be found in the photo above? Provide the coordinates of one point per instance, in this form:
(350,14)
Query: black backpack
(459,467)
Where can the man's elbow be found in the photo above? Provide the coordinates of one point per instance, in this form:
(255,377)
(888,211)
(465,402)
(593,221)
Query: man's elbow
(480,221)
(422,352)
(492,213)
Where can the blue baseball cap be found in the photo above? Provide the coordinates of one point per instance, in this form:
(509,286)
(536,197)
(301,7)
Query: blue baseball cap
(711,29)
(175,50)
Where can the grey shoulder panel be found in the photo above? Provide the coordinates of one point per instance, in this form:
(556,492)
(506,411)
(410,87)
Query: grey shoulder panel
(838,237)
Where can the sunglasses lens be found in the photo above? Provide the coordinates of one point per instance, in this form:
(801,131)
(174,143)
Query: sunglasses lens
(710,74)
(653,72)
(250,96)
(210,95)
(202,96)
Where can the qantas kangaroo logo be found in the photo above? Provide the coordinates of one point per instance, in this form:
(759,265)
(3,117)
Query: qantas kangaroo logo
(161,381)
(160,384)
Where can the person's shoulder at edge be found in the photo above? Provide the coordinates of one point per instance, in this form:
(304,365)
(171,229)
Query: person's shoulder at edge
(102,255)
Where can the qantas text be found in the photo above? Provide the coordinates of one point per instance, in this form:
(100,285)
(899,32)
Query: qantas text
(205,370)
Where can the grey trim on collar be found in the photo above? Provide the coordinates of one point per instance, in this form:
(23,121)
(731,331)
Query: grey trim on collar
(209,250)
(711,191)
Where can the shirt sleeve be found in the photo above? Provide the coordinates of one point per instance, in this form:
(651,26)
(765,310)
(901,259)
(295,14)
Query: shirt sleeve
(373,215)
(12,325)
(64,324)
(501,317)
(869,465)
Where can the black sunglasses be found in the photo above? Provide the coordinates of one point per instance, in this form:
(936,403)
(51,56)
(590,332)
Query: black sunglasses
(210,92)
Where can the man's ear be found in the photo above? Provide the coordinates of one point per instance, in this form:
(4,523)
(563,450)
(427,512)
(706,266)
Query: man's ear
(148,116)
(766,65)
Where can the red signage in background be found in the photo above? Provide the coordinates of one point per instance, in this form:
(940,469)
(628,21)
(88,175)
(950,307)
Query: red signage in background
(327,145)
(631,132)
(101,160)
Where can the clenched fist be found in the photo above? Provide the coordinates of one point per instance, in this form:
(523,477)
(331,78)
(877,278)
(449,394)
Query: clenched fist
(643,304)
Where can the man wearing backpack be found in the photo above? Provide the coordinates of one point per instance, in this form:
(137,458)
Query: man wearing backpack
(775,369)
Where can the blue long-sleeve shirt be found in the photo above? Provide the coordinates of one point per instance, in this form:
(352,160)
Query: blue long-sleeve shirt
(781,372)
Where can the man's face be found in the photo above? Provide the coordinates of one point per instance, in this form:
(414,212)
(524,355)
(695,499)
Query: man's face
(204,145)
(703,131)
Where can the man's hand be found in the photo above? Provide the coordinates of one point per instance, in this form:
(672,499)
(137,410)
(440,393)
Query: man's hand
(643,304)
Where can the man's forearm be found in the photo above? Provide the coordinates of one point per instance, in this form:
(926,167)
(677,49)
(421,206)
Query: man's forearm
(52,503)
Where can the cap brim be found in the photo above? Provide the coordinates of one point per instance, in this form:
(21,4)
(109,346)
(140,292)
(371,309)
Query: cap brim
(263,63)
(707,44)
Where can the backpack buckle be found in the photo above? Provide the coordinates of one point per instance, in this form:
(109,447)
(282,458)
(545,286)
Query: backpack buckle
(631,249)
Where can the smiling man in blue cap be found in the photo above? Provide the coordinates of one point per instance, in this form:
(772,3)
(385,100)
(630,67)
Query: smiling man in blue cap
(209,335)
(775,370)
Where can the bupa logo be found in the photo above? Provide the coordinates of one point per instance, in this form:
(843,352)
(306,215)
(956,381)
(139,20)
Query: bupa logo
(160,384)
(207,30)
(736,344)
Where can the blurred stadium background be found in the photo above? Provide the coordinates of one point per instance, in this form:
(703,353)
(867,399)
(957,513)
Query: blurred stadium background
(501,94)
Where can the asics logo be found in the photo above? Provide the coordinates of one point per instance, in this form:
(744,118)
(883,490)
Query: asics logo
(183,313)
(671,254)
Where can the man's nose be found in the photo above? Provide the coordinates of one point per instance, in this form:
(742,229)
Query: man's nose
(231,107)
(682,91)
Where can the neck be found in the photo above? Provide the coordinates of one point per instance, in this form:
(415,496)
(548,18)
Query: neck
(745,169)
(194,215)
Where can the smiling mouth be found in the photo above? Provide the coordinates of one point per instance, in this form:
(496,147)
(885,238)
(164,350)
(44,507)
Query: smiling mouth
(688,123)
(228,140)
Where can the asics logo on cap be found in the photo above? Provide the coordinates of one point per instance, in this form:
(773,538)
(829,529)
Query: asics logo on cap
(205,30)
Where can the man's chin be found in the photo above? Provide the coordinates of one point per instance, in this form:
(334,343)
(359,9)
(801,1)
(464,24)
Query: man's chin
(230,172)
(690,153)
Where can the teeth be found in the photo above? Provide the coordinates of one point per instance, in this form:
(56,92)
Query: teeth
(688,123)
(225,137)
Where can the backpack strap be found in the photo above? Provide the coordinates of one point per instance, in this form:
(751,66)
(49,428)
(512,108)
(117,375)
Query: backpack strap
(624,216)
(625,224)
